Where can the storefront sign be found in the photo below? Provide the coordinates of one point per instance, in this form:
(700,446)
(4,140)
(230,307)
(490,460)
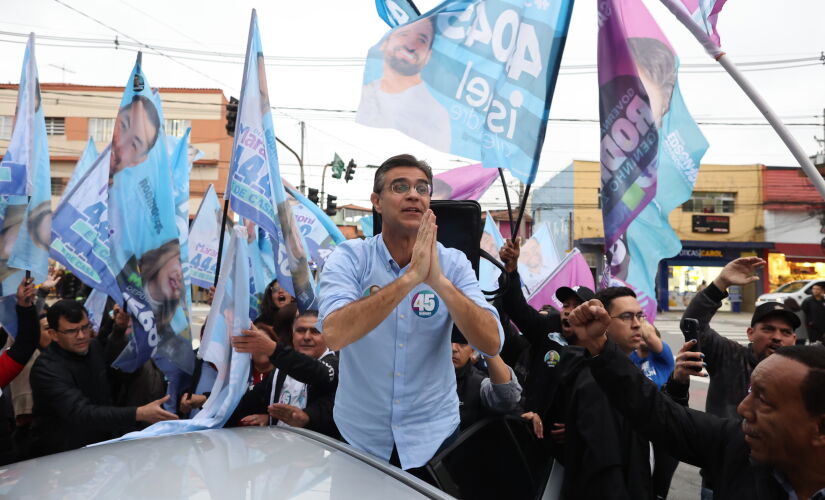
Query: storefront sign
(711,224)
(701,252)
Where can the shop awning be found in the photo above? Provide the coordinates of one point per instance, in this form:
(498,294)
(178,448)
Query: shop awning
(801,252)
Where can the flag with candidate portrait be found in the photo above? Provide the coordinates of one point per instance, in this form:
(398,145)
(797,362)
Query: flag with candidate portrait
(28,138)
(80,226)
(254,186)
(699,17)
(491,242)
(25,183)
(144,246)
(395,12)
(538,259)
(651,147)
(471,78)
(320,233)
(227,317)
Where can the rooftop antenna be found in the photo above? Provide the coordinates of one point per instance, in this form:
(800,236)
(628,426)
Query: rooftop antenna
(64,70)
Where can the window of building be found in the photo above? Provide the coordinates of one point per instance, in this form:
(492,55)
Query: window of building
(707,202)
(101,129)
(176,128)
(55,126)
(57,186)
(6,123)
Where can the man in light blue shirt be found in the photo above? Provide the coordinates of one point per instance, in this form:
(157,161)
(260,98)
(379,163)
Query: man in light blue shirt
(388,303)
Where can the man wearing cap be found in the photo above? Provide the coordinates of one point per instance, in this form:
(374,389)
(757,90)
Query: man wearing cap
(729,363)
(548,332)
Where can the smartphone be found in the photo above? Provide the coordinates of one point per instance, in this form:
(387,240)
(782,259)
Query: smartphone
(690,329)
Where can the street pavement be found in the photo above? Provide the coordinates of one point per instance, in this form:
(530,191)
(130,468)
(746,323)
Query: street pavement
(686,483)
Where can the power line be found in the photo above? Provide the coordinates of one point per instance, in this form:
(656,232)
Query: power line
(309,61)
(61,2)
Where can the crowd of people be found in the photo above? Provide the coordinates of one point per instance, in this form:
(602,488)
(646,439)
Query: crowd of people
(380,366)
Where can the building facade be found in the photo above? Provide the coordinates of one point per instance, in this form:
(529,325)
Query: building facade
(723,220)
(795,222)
(76,112)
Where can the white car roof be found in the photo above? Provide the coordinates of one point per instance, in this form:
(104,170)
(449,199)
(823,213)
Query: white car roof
(248,463)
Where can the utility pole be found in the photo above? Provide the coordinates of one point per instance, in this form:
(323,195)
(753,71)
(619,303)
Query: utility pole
(323,178)
(302,187)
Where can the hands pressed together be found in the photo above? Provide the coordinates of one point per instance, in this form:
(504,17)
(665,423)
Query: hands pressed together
(424,266)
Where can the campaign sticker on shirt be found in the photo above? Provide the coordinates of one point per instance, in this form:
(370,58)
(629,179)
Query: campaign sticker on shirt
(551,358)
(425,303)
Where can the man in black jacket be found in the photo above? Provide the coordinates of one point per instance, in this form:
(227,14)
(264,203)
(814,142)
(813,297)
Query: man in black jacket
(777,451)
(70,388)
(729,363)
(814,309)
(305,379)
(547,332)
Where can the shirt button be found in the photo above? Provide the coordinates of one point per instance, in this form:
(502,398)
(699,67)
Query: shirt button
(402,316)
(400,345)
(395,427)
(397,374)
(397,401)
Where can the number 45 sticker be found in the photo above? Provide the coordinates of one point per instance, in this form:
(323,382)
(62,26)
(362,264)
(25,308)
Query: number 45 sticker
(425,303)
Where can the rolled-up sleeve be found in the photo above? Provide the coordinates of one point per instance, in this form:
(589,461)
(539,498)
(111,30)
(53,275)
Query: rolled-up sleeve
(501,397)
(339,280)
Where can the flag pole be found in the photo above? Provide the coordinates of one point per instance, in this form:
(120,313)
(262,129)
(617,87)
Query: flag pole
(716,52)
(776,123)
(520,212)
(506,196)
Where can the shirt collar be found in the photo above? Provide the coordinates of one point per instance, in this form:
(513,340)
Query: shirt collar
(386,258)
(786,485)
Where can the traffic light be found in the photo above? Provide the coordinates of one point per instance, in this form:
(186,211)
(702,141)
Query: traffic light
(350,171)
(331,206)
(313,195)
(337,166)
(231,115)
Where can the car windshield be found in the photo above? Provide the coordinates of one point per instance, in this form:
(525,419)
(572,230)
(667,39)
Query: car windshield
(793,286)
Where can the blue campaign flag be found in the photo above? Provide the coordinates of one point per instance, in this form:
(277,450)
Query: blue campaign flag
(319,231)
(87,158)
(491,242)
(396,12)
(650,238)
(227,317)
(471,78)
(181,168)
(80,227)
(203,240)
(25,171)
(254,186)
(366,226)
(145,250)
(18,164)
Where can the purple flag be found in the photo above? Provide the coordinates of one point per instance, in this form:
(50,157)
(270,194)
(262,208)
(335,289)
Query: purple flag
(572,271)
(463,183)
(699,16)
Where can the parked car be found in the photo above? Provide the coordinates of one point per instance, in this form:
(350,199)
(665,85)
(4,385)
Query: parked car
(248,463)
(797,290)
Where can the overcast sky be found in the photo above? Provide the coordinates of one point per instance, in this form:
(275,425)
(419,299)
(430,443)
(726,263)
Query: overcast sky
(330,38)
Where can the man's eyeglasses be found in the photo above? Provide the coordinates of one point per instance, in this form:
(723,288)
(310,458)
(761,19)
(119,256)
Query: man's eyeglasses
(628,317)
(87,328)
(422,188)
